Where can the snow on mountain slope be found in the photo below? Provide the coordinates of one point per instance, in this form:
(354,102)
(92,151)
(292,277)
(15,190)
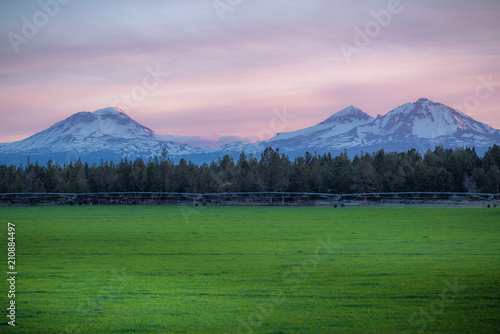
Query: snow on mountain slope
(85,128)
(110,134)
(425,119)
(423,125)
(341,122)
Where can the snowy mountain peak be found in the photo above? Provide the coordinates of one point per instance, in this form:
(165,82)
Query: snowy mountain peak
(111,134)
(427,119)
(104,128)
(341,122)
(109,111)
(114,118)
(422,124)
(346,116)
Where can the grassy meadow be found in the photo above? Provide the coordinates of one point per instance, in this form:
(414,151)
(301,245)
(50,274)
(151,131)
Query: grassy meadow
(165,269)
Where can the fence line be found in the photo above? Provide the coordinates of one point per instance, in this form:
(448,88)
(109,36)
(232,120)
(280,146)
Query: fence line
(242,198)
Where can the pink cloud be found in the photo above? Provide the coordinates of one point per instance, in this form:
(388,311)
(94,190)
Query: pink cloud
(227,77)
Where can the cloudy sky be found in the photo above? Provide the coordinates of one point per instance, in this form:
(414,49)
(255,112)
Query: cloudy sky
(243,68)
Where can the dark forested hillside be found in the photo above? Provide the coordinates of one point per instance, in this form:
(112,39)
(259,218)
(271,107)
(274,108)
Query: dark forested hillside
(443,170)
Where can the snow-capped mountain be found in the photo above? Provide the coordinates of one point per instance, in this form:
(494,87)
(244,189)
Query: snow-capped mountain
(106,133)
(87,130)
(425,119)
(110,134)
(323,133)
(422,125)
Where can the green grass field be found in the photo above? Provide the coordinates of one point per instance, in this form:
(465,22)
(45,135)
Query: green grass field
(160,269)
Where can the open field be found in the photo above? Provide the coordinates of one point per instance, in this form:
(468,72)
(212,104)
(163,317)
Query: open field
(164,269)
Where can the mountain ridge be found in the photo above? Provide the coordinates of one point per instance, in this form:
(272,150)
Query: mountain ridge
(423,124)
(110,134)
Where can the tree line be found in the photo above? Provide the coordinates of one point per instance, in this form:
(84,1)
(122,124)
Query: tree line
(438,170)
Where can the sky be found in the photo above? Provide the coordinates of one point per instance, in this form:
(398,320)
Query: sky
(220,71)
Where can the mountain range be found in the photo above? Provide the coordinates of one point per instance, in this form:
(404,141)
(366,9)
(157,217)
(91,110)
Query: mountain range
(110,134)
